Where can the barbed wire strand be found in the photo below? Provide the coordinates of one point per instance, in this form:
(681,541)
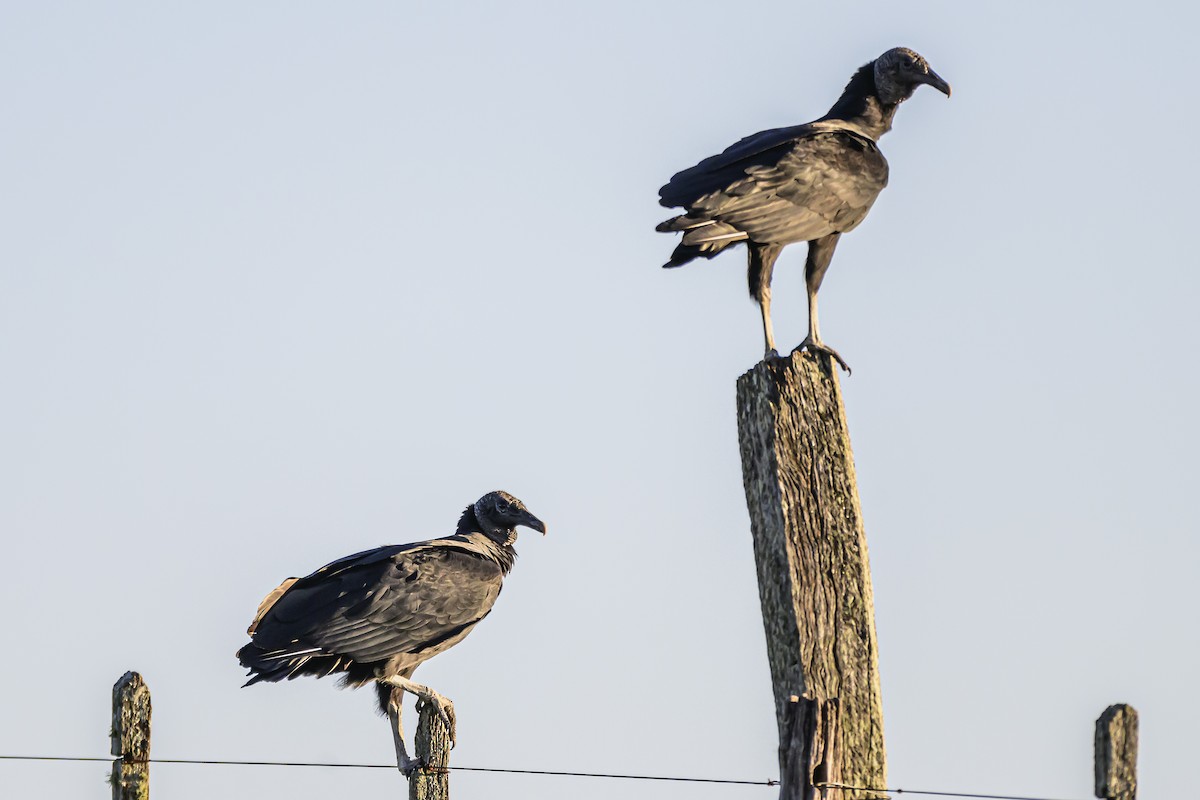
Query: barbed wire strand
(929,792)
(767,782)
(214,762)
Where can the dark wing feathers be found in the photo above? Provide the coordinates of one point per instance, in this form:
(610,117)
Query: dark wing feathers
(723,170)
(364,558)
(373,606)
(780,186)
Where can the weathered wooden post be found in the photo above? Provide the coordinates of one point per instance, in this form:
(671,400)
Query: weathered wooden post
(1116,753)
(813,577)
(131,738)
(808,755)
(432,744)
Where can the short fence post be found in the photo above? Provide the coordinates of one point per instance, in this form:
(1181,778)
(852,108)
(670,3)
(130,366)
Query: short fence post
(432,743)
(1116,753)
(131,738)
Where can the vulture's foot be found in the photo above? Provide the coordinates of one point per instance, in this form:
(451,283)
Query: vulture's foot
(409,765)
(820,347)
(442,705)
(445,711)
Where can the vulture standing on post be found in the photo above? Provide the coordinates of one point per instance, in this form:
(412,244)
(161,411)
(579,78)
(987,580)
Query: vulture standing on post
(806,183)
(377,615)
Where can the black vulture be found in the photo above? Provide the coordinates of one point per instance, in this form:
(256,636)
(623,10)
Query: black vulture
(377,615)
(805,183)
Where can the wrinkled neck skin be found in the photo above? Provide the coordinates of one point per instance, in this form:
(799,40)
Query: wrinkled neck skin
(876,118)
(499,550)
(497,543)
(861,107)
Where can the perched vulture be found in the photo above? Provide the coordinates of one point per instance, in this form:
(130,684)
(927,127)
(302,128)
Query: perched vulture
(806,183)
(377,615)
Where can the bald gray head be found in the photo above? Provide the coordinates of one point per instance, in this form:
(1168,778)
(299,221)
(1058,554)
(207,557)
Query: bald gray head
(898,73)
(499,513)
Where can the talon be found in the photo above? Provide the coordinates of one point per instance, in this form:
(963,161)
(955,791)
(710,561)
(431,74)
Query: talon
(445,711)
(410,766)
(819,347)
(444,708)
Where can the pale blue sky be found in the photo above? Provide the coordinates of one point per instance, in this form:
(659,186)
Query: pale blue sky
(285,281)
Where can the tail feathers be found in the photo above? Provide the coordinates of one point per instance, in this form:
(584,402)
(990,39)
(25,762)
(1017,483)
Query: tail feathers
(702,238)
(685,253)
(278,665)
(681,223)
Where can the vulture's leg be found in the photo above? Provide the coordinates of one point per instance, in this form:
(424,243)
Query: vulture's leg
(764,305)
(820,253)
(405,764)
(443,706)
(761,265)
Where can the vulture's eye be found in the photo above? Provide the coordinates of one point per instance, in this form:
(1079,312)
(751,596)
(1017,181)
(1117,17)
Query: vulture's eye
(503,506)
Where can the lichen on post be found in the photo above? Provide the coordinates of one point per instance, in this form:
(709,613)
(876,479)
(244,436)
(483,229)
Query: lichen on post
(131,738)
(811,553)
(432,742)
(1116,753)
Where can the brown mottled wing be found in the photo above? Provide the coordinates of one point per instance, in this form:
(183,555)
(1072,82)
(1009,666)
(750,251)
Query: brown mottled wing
(370,607)
(821,182)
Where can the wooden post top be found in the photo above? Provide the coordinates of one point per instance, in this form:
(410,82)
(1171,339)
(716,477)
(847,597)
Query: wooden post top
(1116,753)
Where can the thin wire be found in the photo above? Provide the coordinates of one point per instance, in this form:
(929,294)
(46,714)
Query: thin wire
(469,769)
(52,758)
(768,782)
(929,792)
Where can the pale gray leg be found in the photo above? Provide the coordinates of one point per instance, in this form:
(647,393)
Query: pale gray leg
(405,764)
(768,330)
(443,706)
(820,252)
(813,342)
(814,334)
(760,266)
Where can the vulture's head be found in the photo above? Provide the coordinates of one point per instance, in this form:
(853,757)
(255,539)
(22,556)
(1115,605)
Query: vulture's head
(899,72)
(498,513)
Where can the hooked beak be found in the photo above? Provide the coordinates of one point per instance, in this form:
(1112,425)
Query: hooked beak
(935,80)
(530,521)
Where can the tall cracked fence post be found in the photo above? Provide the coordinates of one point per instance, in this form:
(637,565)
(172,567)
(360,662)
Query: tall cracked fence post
(814,579)
(432,743)
(131,738)
(1116,753)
